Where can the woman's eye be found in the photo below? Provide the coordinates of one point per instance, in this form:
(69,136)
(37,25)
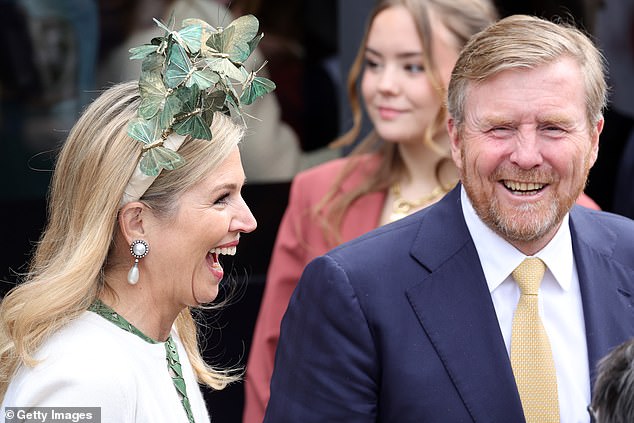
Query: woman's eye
(371,64)
(223,199)
(415,68)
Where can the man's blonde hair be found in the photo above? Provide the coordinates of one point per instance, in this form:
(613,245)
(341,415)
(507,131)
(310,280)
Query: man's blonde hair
(525,42)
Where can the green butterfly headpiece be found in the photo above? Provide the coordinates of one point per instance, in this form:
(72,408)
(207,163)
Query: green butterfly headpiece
(187,76)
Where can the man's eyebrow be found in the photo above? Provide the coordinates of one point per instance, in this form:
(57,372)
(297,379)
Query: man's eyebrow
(496,121)
(555,118)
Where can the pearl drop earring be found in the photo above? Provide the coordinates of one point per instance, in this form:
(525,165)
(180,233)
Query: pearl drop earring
(138,249)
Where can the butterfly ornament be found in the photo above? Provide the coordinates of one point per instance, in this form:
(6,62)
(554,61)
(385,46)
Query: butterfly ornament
(186,76)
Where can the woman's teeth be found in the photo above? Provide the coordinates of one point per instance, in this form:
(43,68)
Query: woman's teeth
(227,251)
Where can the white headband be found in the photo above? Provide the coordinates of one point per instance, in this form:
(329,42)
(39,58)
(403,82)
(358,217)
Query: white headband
(139,181)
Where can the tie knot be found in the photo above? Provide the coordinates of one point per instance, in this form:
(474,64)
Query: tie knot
(529,274)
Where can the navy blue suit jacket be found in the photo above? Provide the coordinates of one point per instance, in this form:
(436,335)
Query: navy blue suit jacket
(399,326)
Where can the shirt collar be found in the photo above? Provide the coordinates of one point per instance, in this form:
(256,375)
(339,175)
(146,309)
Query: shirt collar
(499,258)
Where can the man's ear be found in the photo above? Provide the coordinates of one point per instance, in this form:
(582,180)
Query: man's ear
(131,220)
(454,139)
(596,132)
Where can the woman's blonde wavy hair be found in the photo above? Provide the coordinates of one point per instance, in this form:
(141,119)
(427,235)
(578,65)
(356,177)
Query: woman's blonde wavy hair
(67,271)
(463,18)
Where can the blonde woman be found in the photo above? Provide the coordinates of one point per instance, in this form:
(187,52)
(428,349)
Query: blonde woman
(140,211)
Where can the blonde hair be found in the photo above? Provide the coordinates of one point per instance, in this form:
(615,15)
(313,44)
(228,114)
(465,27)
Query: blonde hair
(462,18)
(525,42)
(67,270)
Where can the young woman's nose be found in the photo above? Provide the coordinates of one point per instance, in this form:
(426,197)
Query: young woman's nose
(388,80)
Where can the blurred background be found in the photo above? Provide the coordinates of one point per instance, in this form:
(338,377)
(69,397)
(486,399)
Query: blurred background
(59,54)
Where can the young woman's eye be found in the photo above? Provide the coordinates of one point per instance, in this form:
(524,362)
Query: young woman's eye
(415,68)
(371,64)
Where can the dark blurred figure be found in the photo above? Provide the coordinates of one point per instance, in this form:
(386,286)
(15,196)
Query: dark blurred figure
(46,79)
(301,46)
(582,11)
(613,398)
(615,34)
(624,191)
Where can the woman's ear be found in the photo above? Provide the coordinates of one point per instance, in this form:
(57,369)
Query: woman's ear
(131,220)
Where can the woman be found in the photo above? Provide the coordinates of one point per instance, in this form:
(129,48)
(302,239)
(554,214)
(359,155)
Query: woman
(140,210)
(404,66)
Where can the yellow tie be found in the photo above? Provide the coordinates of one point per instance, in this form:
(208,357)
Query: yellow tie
(531,356)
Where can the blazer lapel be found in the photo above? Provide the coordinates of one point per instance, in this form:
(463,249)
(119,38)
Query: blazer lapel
(366,214)
(454,307)
(607,303)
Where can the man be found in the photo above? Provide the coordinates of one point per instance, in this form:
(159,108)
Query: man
(416,322)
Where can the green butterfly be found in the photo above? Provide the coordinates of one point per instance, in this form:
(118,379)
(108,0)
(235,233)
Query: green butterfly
(255,86)
(230,95)
(235,41)
(225,67)
(206,31)
(157,45)
(156,98)
(192,120)
(141,52)
(214,102)
(156,157)
(153,63)
(188,37)
(181,70)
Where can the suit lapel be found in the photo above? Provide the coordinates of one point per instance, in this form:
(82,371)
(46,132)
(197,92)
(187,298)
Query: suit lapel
(606,302)
(454,307)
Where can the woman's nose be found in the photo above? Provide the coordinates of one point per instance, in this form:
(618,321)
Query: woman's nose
(388,82)
(244,221)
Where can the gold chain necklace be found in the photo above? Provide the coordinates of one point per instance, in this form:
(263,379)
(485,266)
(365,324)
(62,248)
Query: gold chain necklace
(402,207)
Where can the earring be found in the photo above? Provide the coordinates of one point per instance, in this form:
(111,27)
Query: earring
(138,249)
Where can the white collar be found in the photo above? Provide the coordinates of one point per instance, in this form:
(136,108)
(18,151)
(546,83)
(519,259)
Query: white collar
(499,258)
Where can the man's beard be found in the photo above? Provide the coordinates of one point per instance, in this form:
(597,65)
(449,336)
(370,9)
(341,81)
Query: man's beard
(530,221)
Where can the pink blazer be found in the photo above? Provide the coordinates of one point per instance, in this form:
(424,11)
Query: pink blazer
(299,240)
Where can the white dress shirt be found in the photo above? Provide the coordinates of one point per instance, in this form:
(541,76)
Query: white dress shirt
(560,306)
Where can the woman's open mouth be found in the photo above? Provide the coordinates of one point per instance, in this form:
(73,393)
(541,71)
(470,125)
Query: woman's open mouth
(213,257)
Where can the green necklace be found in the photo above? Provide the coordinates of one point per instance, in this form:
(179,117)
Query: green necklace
(173,362)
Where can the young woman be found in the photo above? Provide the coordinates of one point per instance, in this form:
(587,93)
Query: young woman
(403,67)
